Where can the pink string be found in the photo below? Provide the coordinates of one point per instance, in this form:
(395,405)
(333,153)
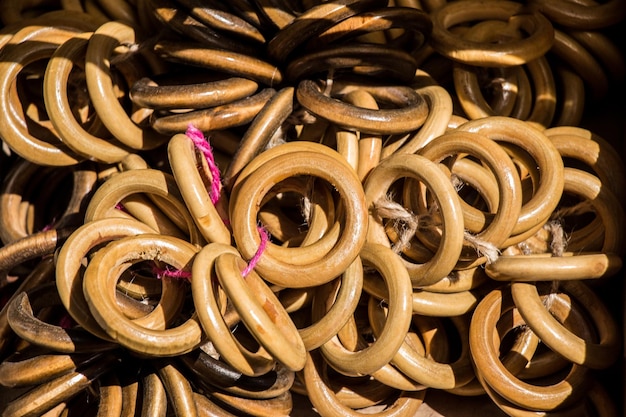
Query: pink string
(168,272)
(202,144)
(265,237)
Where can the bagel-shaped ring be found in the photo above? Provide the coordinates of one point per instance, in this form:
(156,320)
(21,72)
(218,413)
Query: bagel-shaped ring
(151,181)
(595,152)
(212,14)
(183,162)
(261,311)
(545,267)
(495,229)
(606,206)
(219,374)
(369,146)
(548,164)
(211,316)
(431,304)
(373,357)
(281,404)
(31,366)
(32,247)
(436,123)
(326,402)
(153,388)
(236,113)
(99,281)
(45,397)
(26,47)
(422,169)
(286,161)
(55,91)
(381,60)
(329,320)
(582,16)
(424,369)
(408,19)
(219,59)
(26,325)
(514,52)
(313,22)
(146,92)
(595,355)
(484,346)
(69,259)
(100,48)
(385,121)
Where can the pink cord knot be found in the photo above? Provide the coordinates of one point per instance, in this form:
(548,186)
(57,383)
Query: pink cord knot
(202,144)
(265,237)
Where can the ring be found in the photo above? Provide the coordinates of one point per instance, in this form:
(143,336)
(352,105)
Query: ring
(514,52)
(422,169)
(102,274)
(299,266)
(373,357)
(584,352)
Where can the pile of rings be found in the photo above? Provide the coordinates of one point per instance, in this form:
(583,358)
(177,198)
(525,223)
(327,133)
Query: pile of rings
(221,208)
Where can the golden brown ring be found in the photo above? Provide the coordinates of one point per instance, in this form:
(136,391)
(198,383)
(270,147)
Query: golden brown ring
(47,396)
(237,113)
(276,264)
(326,402)
(183,162)
(150,181)
(589,353)
(514,52)
(100,278)
(484,346)
(147,93)
(178,388)
(422,169)
(385,121)
(211,315)
(260,311)
(312,22)
(496,229)
(221,60)
(100,49)
(411,20)
(547,164)
(374,356)
(24,49)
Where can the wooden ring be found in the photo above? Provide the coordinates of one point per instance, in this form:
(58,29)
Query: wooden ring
(261,311)
(422,169)
(183,161)
(379,353)
(582,16)
(548,165)
(100,49)
(99,280)
(314,268)
(212,318)
(385,121)
(495,229)
(492,371)
(595,355)
(514,52)
(25,49)
(326,402)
